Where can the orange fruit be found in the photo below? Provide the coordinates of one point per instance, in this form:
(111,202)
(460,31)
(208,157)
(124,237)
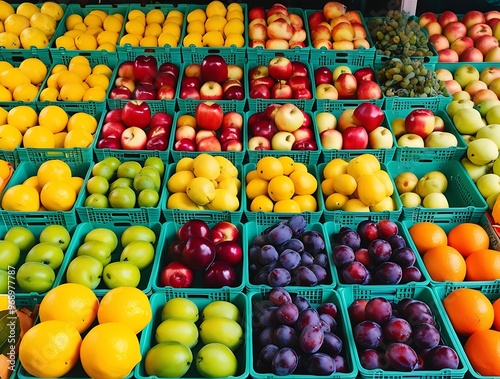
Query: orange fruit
(261,203)
(256,187)
(307,203)
(305,183)
(21,198)
(287,206)
(280,188)
(483,265)
(496,320)
(54,169)
(427,235)
(469,311)
(467,238)
(445,263)
(269,167)
(39,137)
(483,350)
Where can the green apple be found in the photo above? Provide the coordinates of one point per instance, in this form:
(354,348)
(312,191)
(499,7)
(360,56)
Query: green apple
(84,270)
(456,105)
(168,360)
(433,181)
(491,131)
(156,163)
(221,308)
(137,233)
(35,277)
(460,95)
(98,184)
(484,106)
(465,74)
(128,170)
(46,253)
(4,281)
(410,199)
(474,171)
(104,235)
(113,162)
(104,170)
(143,181)
(121,274)
(493,115)
(122,198)
(179,307)
(9,254)
(468,121)
(441,139)
(222,330)
(148,198)
(406,182)
(435,200)
(22,237)
(496,167)
(96,249)
(482,151)
(140,253)
(216,360)
(177,330)
(153,173)
(488,185)
(121,182)
(56,234)
(96,200)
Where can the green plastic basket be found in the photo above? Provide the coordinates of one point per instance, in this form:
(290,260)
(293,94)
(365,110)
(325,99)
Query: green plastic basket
(465,201)
(11,156)
(303,156)
(345,218)
(259,105)
(31,219)
(236,157)
(324,57)
(181,216)
(252,229)
(333,228)
(269,218)
(316,297)
(83,229)
(202,299)
(170,235)
(383,155)
(425,294)
(429,154)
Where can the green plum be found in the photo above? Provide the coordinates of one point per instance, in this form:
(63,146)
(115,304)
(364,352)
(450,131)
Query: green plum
(148,198)
(35,277)
(168,360)
(113,162)
(140,253)
(46,253)
(104,170)
(9,254)
(122,197)
(216,360)
(96,249)
(96,200)
(222,330)
(97,184)
(179,307)
(121,182)
(121,274)
(137,233)
(221,308)
(177,330)
(142,182)
(128,169)
(104,235)
(22,237)
(4,281)
(56,234)
(84,270)
(156,163)
(482,151)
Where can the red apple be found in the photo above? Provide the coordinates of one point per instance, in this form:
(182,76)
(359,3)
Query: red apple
(126,70)
(420,122)
(303,133)
(209,144)
(136,113)
(190,93)
(234,93)
(323,75)
(161,118)
(204,134)
(297,82)
(368,89)
(281,91)
(307,123)
(185,132)
(427,17)
(170,68)
(158,131)
(461,44)
(364,73)
(368,115)
(224,231)
(185,144)
(260,91)
(120,92)
(258,72)
(230,83)
(133,138)
(315,18)
(109,143)
(448,55)
(271,109)
(446,17)
(176,275)
(165,79)
(355,137)
(229,132)
(302,93)
(305,144)
(232,145)
(473,17)
(144,91)
(479,30)
(280,68)
(256,12)
(264,128)
(220,274)
(214,68)
(145,68)
(471,55)
(232,119)
(112,129)
(439,42)
(191,82)
(113,115)
(485,43)
(454,30)
(159,143)
(346,85)
(259,143)
(209,115)
(165,93)
(299,69)
(265,80)
(193,69)
(331,139)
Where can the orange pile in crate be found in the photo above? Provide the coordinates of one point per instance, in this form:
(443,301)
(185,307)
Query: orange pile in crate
(23,82)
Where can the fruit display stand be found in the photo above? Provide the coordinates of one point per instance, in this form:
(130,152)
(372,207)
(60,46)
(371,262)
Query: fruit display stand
(465,202)
(425,294)
(202,299)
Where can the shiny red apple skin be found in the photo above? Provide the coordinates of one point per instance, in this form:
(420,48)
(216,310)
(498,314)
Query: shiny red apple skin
(220,274)
(214,67)
(198,253)
(368,115)
(193,228)
(136,113)
(209,115)
(176,275)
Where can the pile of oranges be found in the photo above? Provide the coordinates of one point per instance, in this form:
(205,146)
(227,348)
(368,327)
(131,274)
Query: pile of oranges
(21,83)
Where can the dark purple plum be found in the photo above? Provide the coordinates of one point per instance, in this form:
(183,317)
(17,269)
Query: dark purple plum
(320,364)
(442,357)
(402,304)
(357,311)
(368,230)
(388,273)
(279,277)
(279,234)
(369,278)
(368,335)
(378,310)
(361,255)
(267,353)
(268,254)
(267,317)
(420,363)
(387,228)
(313,242)
(309,316)
(306,259)
(401,357)
(379,251)
(417,306)
(266,336)
(342,254)
(411,274)
(354,273)
(311,338)
(340,363)
(260,240)
(301,302)
(297,223)
(285,335)
(259,305)
(349,237)
(294,244)
(289,259)
(416,318)
(261,366)
(404,256)
(332,344)
(328,308)
(321,259)
(425,336)
(287,313)
(253,253)
(319,272)
(305,277)
(329,320)
(397,330)
(370,359)
(260,277)
(279,296)
(285,361)
(396,241)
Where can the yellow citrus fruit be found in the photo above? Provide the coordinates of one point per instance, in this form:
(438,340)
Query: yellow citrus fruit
(59,68)
(101,80)
(215,23)
(49,94)
(59,139)
(256,187)
(50,349)
(13,77)
(304,182)
(327,187)
(5,94)
(86,41)
(213,38)
(216,8)
(22,117)
(371,190)
(195,39)
(137,14)
(10,137)
(363,164)
(108,46)
(32,181)
(4,65)
(172,28)
(82,69)
(261,203)
(103,69)
(153,29)
(82,120)
(307,203)
(185,164)
(135,26)
(78,59)
(27,9)
(92,20)
(65,77)
(100,13)
(57,196)
(94,31)
(112,24)
(9,40)
(54,169)
(3,115)
(73,34)
(269,167)
(72,303)
(129,39)
(155,16)
(335,201)
(78,137)
(300,167)
(65,41)
(126,305)
(234,39)
(35,69)
(52,9)
(21,198)
(72,20)
(119,16)
(5,10)
(166,39)
(280,188)
(235,14)
(174,13)
(206,166)
(196,26)
(46,23)
(355,205)
(179,181)
(95,94)
(81,27)
(234,7)
(287,163)
(287,206)
(53,118)
(196,14)
(234,26)
(107,36)
(72,92)
(16,23)
(181,200)
(77,183)
(176,20)
(117,347)
(345,184)
(151,41)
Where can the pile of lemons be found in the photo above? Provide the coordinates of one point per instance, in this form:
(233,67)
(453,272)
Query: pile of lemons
(28,25)
(21,83)
(216,26)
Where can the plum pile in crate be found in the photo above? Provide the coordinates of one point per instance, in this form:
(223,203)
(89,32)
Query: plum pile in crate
(288,254)
(400,336)
(374,253)
(292,337)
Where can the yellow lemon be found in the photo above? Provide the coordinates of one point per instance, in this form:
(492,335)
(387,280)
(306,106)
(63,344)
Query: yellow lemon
(82,120)
(304,182)
(92,20)
(39,137)
(3,115)
(53,118)
(371,190)
(5,10)
(287,206)
(80,26)
(280,188)
(95,94)
(22,117)
(11,137)
(172,28)
(216,8)
(72,92)
(129,39)
(335,201)
(269,167)
(13,77)
(25,92)
(46,23)
(107,36)
(148,41)
(153,29)
(215,23)
(83,70)
(58,68)
(49,94)
(33,37)
(112,24)
(86,42)
(57,196)
(185,164)
(307,203)
(345,184)
(94,30)
(108,46)
(5,94)
(27,9)
(234,7)
(195,39)
(196,26)
(137,14)
(234,26)
(78,137)
(234,39)
(155,16)
(256,187)
(166,39)
(135,26)
(94,80)
(59,139)
(235,14)
(103,69)
(261,203)
(100,13)
(174,13)
(334,168)
(196,14)
(35,69)
(21,198)
(16,23)
(52,9)
(72,20)
(9,40)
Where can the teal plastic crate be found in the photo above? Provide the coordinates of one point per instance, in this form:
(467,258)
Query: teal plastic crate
(202,299)
(344,217)
(145,284)
(465,201)
(127,155)
(425,294)
(236,157)
(332,228)
(30,299)
(269,218)
(31,219)
(181,216)
(169,230)
(487,222)
(429,154)
(232,54)
(165,53)
(75,154)
(383,155)
(259,105)
(324,57)
(303,156)
(316,297)
(253,229)
(11,156)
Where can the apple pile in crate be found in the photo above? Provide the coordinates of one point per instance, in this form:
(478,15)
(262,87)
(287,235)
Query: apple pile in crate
(337,28)
(280,79)
(359,185)
(216,26)
(281,127)
(481,85)
(427,191)
(472,37)
(212,79)
(276,28)
(143,79)
(23,82)
(207,182)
